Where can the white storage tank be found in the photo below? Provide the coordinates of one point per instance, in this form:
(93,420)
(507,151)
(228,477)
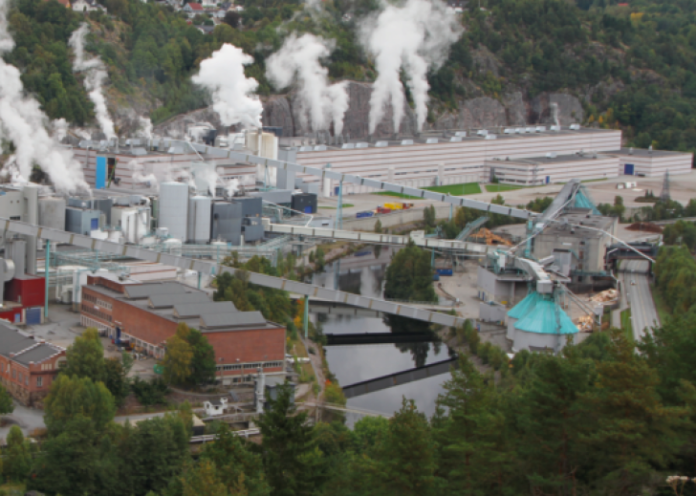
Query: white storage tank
(199,219)
(173,208)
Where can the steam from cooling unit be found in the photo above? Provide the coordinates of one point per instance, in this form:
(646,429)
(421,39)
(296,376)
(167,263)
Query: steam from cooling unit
(95,74)
(24,124)
(145,127)
(233,93)
(414,37)
(299,61)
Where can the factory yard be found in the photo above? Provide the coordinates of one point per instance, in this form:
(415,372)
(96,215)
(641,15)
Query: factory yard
(682,189)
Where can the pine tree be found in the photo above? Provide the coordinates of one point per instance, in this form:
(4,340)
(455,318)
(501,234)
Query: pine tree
(626,429)
(473,455)
(290,456)
(403,460)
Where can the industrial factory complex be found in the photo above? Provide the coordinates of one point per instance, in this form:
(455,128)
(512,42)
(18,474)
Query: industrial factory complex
(257,194)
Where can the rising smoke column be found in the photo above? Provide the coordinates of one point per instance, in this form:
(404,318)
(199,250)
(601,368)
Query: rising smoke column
(233,93)
(23,123)
(95,74)
(299,61)
(414,37)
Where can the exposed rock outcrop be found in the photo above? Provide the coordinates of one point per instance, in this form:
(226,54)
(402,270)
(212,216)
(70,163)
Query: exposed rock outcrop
(480,112)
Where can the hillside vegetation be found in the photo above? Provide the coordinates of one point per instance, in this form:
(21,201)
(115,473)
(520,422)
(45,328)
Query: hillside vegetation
(632,67)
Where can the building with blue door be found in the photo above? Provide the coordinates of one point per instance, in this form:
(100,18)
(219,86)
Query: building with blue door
(554,168)
(653,163)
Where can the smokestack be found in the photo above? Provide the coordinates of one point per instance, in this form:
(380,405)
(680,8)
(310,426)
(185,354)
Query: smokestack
(30,192)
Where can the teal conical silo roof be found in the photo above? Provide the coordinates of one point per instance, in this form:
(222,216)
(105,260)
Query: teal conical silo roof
(545,317)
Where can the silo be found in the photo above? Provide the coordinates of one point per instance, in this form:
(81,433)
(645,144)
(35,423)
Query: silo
(199,219)
(173,208)
(31,216)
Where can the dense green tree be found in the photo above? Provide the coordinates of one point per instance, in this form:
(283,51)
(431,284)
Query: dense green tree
(70,397)
(474,457)
(203,365)
(290,455)
(17,460)
(403,460)
(85,357)
(6,403)
(409,275)
(178,356)
(236,465)
(626,428)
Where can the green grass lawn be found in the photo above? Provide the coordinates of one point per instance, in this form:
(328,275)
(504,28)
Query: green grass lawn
(452,189)
(663,311)
(345,205)
(626,323)
(496,188)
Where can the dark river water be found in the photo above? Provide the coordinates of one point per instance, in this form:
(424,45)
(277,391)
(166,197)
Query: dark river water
(365,275)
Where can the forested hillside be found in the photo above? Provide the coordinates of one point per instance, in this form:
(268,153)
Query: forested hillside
(631,66)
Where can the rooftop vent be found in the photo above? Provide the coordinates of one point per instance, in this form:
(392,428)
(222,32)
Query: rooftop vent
(432,141)
(455,139)
(528,130)
(460,134)
(491,136)
(509,130)
(482,132)
(382,144)
(348,146)
(320,148)
(551,155)
(407,142)
(540,129)
(362,144)
(555,128)
(574,127)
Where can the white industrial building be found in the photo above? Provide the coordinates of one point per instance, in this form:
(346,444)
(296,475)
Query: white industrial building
(653,163)
(449,158)
(553,168)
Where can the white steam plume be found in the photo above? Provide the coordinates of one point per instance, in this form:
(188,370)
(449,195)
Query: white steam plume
(145,127)
(95,74)
(232,187)
(299,60)
(415,37)
(23,123)
(233,93)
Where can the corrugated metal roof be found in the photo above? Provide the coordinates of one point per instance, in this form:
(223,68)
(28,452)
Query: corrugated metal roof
(232,319)
(523,307)
(142,291)
(189,310)
(542,319)
(169,300)
(36,355)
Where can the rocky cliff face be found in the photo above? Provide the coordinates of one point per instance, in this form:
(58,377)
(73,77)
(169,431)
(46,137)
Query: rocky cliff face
(510,110)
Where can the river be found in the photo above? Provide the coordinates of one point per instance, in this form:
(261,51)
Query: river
(362,273)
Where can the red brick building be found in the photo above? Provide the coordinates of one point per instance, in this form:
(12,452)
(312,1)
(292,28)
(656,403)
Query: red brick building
(28,366)
(25,300)
(146,315)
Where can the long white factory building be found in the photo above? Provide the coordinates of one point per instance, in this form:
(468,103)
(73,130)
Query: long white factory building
(524,156)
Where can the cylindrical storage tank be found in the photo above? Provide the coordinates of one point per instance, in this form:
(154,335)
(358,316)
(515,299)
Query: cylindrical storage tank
(199,219)
(173,208)
(31,216)
(52,212)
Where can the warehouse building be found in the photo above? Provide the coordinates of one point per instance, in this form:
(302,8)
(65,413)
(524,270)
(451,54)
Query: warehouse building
(653,163)
(146,315)
(28,366)
(553,168)
(447,158)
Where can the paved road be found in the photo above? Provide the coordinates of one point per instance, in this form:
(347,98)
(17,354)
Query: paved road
(643,311)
